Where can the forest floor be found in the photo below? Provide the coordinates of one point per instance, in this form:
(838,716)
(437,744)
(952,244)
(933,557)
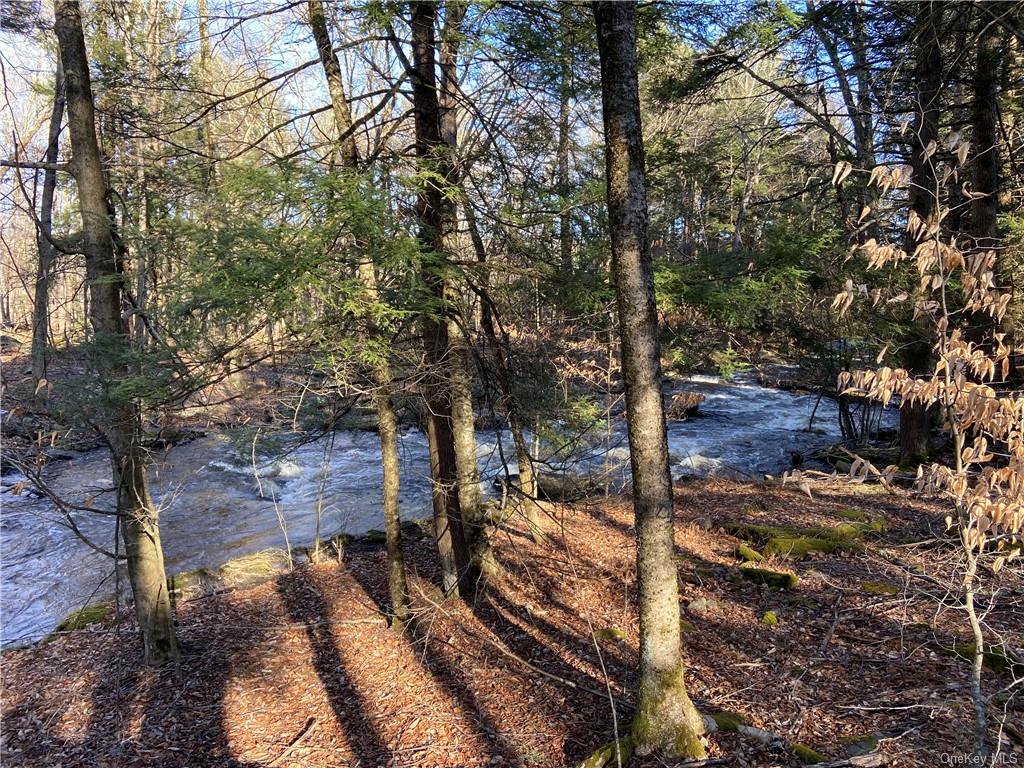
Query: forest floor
(302,671)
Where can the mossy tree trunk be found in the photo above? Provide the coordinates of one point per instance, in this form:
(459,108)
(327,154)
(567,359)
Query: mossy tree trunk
(666,720)
(121,419)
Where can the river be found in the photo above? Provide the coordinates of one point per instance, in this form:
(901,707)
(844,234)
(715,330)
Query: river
(211,507)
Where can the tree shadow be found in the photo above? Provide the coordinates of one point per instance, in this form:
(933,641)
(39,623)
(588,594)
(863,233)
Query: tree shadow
(305,604)
(142,716)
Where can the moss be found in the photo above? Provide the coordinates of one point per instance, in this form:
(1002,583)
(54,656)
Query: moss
(97,613)
(859,744)
(776,579)
(374,537)
(770,619)
(758,533)
(666,720)
(806,755)
(253,568)
(748,554)
(686,626)
(606,755)
(609,633)
(797,547)
(880,588)
(187,580)
(728,721)
(854,515)
(995,658)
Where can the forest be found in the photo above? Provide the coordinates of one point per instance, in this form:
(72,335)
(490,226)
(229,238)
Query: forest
(512,383)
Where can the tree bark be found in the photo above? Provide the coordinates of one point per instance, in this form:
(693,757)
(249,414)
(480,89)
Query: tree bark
(47,253)
(383,400)
(458,363)
(348,155)
(914,419)
(666,720)
(499,353)
(564,108)
(437,219)
(121,420)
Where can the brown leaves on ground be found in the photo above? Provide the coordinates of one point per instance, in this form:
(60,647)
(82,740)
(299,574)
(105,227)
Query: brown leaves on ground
(302,671)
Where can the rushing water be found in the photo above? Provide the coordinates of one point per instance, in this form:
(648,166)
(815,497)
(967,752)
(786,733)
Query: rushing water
(213,508)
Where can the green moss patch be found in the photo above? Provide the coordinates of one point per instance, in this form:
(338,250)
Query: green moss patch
(776,579)
(880,588)
(97,613)
(798,543)
(606,755)
(995,658)
(610,634)
(748,554)
(728,722)
(806,755)
(797,548)
(770,619)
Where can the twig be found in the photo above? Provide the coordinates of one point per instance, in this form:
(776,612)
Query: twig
(306,730)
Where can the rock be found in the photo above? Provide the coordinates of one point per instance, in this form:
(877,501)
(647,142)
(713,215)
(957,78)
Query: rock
(684,404)
(374,537)
(191,582)
(863,744)
(704,522)
(97,613)
(10,343)
(565,486)
(775,579)
(701,605)
(610,633)
(995,658)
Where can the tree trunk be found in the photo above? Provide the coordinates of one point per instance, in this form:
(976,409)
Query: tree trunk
(121,420)
(985,143)
(564,105)
(348,156)
(458,364)
(499,353)
(666,720)
(47,253)
(436,218)
(206,80)
(916,353)
(382,393)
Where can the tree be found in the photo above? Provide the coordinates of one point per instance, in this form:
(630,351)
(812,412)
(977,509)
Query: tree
(383,401)
(44,241)
(666,720)
(120,419)
(436,219)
